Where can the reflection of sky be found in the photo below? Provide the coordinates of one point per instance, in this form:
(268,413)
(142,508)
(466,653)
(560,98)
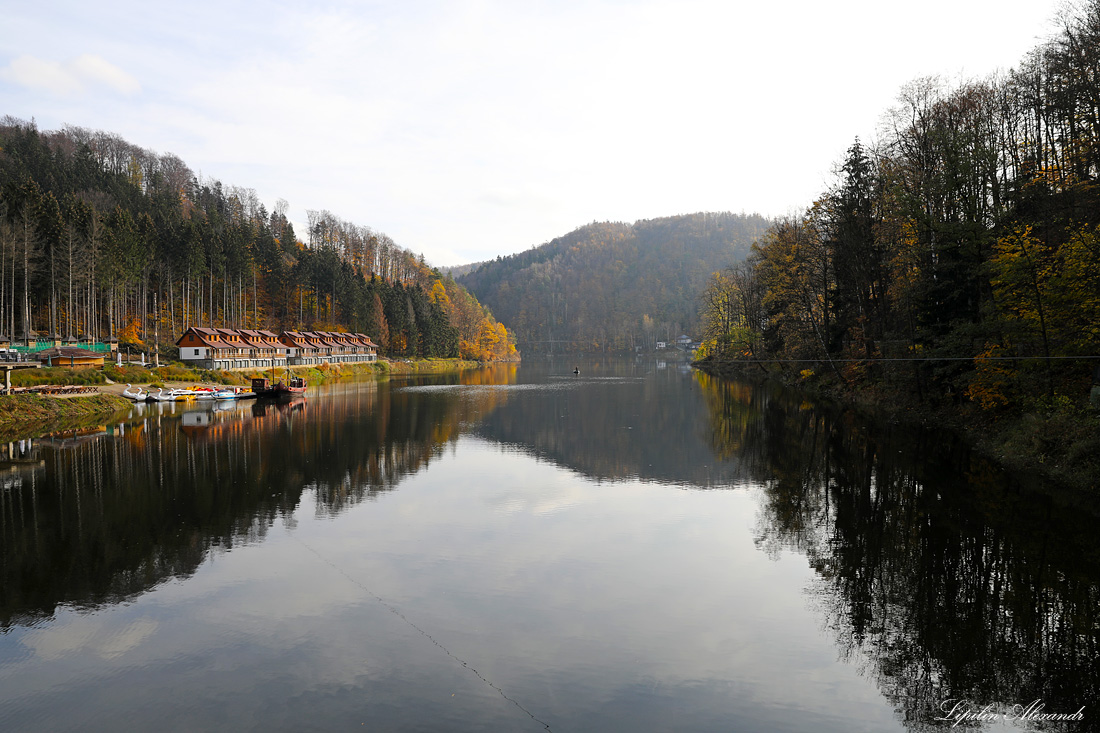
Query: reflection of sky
(595,606)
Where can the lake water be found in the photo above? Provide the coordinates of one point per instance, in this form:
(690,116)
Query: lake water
(637,548)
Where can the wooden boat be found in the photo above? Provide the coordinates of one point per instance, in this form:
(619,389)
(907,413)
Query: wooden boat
(290,387)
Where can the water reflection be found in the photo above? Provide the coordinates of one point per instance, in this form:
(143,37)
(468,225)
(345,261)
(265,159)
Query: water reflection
(618,420)
(591,596)
(939,575)
(115,510)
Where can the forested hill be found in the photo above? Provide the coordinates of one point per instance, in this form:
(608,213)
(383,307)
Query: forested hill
(954,264)
(102,238)
(611,286)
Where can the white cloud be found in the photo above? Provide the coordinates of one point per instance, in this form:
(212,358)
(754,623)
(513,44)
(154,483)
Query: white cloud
(95,70)
(38,75)
(465,129)
(79,75)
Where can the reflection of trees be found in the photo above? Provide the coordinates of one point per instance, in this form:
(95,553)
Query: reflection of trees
(98,520)
(617,421)
(948,578)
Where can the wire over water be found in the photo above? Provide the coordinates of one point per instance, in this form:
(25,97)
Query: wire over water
(397,612)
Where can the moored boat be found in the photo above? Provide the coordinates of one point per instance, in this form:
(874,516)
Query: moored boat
(290,387)
(137,396)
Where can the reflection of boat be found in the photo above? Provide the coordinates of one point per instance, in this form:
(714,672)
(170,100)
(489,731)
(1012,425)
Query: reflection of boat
(263,408)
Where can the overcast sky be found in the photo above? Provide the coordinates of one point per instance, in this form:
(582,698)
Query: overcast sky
(472,128)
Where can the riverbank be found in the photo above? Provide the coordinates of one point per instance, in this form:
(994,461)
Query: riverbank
(1057,439)
(177,375)
(429,366)
(26,415)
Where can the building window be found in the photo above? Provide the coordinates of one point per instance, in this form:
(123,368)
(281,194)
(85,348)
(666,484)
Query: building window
(196,352)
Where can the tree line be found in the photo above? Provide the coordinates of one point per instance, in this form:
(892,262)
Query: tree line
(964,245)
(102,238)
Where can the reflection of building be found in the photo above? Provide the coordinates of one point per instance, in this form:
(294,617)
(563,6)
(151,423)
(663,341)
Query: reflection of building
(196,419)
(227,420)
(18,461)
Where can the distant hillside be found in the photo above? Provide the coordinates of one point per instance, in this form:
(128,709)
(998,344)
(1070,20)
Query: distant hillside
(611,286)
(458,271)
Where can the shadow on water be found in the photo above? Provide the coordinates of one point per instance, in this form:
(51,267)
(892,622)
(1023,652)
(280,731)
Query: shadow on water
(100,516)
(940,576)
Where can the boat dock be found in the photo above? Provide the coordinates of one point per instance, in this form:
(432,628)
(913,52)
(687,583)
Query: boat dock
(8,366)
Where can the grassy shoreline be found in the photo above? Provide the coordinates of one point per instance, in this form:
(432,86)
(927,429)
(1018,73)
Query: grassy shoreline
(1057,439)
(26,415)
(177,373)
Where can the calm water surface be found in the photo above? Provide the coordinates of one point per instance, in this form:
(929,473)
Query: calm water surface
(639,548)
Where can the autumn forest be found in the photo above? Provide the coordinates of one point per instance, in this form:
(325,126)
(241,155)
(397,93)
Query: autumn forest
(956,260)
(100,238)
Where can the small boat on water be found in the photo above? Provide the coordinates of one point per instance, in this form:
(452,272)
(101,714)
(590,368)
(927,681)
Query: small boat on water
(290,387)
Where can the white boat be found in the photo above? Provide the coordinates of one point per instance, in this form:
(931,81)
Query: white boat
(225,394)
(178,395)
(138,396)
